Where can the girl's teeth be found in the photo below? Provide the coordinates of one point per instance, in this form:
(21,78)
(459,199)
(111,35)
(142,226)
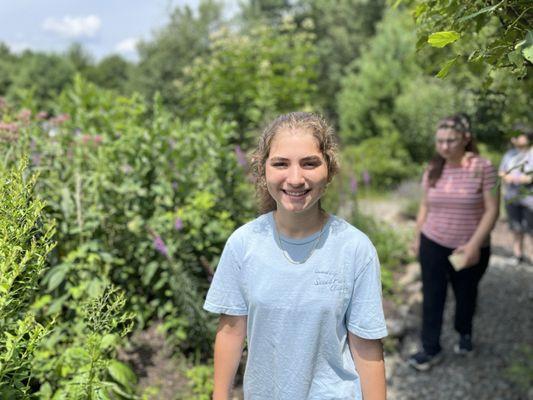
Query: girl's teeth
(295,193)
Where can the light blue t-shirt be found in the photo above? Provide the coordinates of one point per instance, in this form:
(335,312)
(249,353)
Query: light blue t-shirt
(298,314)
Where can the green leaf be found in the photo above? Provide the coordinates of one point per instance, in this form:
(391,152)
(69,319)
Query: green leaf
(482,11)
(446,68)
(56,304)
(41,302)
(515,57)
(527,49)
(148,272)
(95,288)
(108,340)
(56,276)
(117,390)
(444,38)
(419,10)
(121,373)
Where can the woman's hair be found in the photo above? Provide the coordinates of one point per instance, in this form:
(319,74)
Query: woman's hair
(459,123)
(309,122)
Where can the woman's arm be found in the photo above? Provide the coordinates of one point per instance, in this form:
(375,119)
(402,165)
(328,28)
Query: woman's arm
(420,219)
(368,358)
(491,201)
(229,343)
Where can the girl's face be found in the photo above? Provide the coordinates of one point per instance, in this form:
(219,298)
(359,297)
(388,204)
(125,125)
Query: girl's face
(450,144)
(295,171)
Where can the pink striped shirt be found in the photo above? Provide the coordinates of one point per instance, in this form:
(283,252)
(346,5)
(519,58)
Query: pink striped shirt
(455,204)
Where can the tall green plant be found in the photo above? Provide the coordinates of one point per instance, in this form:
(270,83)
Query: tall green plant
(78,360)
(25,242)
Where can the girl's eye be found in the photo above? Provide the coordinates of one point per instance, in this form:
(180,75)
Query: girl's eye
(278,164)
(311,164)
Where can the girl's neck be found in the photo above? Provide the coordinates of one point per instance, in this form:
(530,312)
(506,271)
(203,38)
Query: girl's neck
(455,162)
(299,225)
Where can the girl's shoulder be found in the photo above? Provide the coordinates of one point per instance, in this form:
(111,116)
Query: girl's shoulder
(258,226)
(478,165)
(478,161)
(350,240)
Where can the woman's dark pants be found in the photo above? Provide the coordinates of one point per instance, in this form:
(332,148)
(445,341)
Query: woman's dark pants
(436,272)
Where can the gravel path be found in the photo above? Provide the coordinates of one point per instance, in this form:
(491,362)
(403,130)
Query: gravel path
(503,324)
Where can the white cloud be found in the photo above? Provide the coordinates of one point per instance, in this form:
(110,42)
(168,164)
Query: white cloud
(127,45)
(73,27)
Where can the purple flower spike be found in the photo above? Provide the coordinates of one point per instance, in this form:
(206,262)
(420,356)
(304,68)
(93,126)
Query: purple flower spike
(241,157)
(160,245)
(366,177)
(353,185)
(178,224)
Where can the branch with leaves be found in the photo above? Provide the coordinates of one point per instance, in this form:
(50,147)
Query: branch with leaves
(497,34)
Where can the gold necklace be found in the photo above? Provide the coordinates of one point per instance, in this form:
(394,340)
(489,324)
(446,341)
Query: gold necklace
(286,253)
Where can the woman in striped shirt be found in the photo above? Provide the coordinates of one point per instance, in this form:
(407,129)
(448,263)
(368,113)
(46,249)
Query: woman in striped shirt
(458,210)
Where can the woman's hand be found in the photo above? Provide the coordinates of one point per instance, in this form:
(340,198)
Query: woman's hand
(471,254)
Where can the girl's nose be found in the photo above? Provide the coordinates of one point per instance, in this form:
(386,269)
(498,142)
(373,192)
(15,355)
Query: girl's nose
(295,177)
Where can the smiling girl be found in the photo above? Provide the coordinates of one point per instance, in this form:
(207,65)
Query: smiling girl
(301,285)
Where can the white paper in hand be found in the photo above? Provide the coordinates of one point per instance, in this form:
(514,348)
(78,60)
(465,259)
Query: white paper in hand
(458,261)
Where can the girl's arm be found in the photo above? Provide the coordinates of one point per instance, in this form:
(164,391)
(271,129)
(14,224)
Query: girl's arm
(368,358)
(420,219)
(491,201)
(229,343)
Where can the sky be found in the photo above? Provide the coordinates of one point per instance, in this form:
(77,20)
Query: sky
(103,27)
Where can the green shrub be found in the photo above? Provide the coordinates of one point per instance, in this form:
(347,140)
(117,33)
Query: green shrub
(383,158)
(78,359)
(201,381)
(494,156)
(25,241)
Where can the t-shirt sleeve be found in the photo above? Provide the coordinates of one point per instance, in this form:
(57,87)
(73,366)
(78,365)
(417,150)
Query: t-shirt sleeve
(490,176)
(365,317)
(226,293)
